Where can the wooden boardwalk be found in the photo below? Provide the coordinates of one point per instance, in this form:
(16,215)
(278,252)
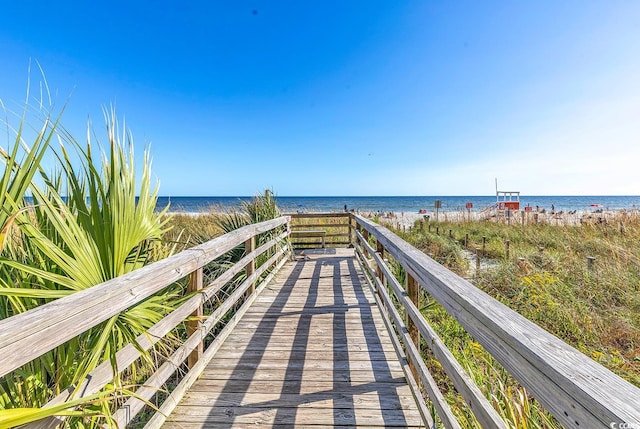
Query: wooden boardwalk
(311,351)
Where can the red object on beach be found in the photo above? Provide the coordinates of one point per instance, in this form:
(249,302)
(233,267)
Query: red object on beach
(469,205)
(596,205)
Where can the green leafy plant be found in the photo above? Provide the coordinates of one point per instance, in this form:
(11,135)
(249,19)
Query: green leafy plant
(84,225)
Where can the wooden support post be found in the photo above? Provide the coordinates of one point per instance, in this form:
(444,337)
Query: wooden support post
(437,230)
(506,250)
(380,250)
(450,233)
(250,246)
(351,235)
(477,259)
(365,235)
(194,283)
(590,262)
(429,227)
(484,245)
(466,240)
(413,292)
(379,273)
(522,214)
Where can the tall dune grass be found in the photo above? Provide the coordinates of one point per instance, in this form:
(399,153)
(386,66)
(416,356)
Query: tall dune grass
(548,280)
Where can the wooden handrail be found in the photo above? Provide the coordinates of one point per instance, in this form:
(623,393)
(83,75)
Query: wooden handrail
(103,374)
(483,410)
(579,392)
(26,336)
(46,327)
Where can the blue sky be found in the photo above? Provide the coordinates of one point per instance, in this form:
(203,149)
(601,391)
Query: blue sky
(348,97)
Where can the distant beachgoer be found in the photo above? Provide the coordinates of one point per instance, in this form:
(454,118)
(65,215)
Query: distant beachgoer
(537,208)
(553,208)
(345,208)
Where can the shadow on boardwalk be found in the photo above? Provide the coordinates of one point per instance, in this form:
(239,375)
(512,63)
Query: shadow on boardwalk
(312,351)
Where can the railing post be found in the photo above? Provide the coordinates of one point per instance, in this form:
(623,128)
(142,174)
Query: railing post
(413,293)
(194,284)
(379,273)
(351,238)
(365,235)
(250,246)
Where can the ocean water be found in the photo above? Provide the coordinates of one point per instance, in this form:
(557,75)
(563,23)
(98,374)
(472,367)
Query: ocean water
(400,204)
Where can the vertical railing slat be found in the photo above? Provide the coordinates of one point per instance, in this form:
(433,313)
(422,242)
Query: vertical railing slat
(194,284)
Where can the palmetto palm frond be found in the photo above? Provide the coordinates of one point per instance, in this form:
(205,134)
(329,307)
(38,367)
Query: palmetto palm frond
(103,227)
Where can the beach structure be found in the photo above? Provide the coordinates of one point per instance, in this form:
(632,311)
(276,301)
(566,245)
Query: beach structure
(506,205)
(318,333)
(508,200)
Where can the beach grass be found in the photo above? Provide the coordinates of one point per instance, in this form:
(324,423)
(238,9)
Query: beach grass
(580,282)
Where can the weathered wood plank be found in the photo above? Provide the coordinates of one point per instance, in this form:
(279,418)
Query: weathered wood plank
(196,425)
(320,225)
(317,215)
(336,376)
(329,399)
(317,365)
(286,345)
(294,416)
(302,354)
(363,384)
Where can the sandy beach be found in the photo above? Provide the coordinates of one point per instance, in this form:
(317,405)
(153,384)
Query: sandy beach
(406,220)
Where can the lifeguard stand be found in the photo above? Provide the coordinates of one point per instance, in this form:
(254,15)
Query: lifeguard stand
(508,200)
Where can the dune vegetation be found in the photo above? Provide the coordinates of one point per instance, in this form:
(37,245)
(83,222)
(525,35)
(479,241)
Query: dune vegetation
(579,282)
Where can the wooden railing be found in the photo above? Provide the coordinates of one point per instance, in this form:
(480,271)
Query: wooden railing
(577,391)
(337,228)
(26,336)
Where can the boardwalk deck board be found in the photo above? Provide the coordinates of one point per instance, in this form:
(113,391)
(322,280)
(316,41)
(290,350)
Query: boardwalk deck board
(311,351)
